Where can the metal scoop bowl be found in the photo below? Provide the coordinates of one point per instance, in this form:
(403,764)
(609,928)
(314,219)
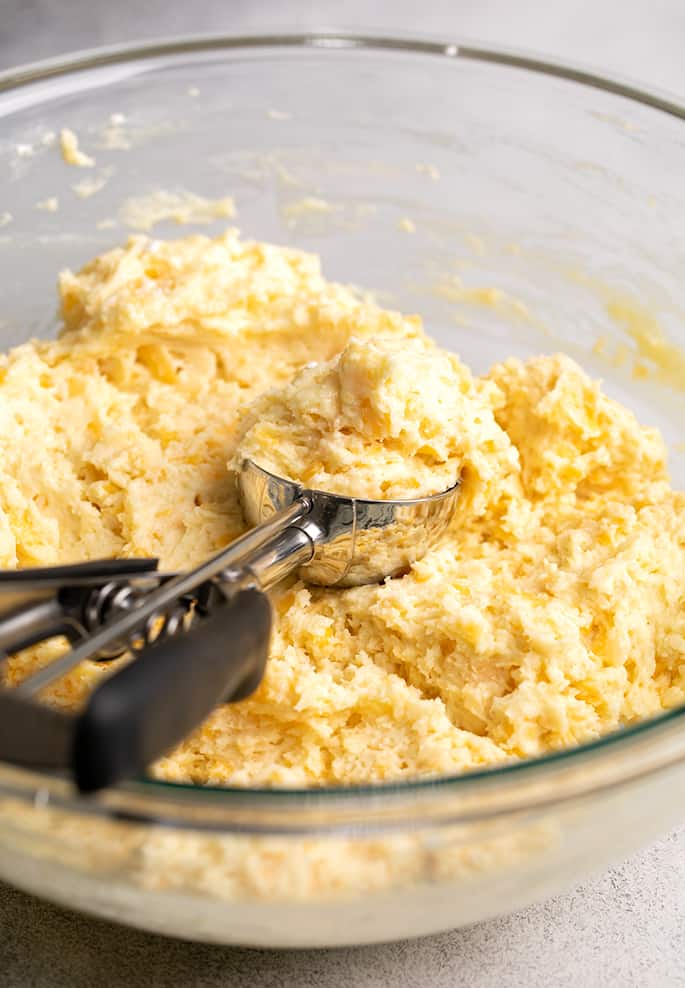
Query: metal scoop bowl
(347,541)
(199,638)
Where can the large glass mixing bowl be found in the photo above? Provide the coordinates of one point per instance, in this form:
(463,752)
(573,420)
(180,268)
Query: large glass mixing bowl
(520,207)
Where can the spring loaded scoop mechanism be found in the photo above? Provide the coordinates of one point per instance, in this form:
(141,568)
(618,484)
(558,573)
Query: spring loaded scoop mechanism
(198,638)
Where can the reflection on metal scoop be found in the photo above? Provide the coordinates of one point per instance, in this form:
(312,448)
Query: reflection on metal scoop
(350,541)
(199,638)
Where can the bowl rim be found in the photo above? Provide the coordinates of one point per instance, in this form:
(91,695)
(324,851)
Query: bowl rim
(572,70)
(614,760)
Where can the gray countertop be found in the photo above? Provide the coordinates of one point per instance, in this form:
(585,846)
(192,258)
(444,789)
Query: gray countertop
(625,928)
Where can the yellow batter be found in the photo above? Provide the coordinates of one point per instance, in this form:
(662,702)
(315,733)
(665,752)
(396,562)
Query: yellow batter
(550,615)
(383,419)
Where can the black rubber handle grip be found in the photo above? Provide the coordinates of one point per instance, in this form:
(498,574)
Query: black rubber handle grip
(142,711)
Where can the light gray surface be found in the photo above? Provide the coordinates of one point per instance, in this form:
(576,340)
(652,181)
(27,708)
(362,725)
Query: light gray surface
(625,928)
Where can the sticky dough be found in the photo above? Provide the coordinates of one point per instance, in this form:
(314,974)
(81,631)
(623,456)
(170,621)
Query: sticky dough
(550,615)
(366,424)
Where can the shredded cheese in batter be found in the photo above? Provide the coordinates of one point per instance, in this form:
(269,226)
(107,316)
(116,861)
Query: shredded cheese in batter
(550,615)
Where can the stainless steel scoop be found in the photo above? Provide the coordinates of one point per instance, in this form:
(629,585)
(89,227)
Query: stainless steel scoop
(199,638)
(347,541)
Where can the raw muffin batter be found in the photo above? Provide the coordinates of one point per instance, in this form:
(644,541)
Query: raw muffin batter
(550,615)
(383,419)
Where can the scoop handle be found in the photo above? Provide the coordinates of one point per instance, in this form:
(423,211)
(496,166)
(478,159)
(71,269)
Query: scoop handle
(268,553)
(147,707)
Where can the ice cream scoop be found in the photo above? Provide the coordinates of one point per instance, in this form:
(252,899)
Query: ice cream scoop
(199,638)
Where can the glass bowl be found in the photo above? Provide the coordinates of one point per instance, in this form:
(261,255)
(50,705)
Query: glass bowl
(520,207)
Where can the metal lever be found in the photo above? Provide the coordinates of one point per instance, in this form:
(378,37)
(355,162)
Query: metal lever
(151,704)
(42,602)
(264,554)
(140,712)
